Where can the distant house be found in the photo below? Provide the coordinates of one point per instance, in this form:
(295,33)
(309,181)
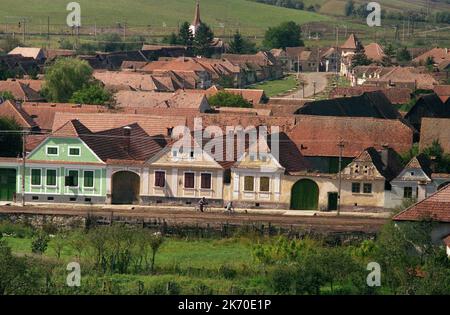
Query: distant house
(37,54)
(303,59)
(436,208)
(374,52)
(14,111)
(414,182)
(360,74)
(369,104)
(427,106)
(396,96)
(178,100)
(20,91)
(19,65)
(438,55)
(348,50)
(404,77)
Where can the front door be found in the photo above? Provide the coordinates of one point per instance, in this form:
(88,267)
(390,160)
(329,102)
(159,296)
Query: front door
(7,184)
(332,201)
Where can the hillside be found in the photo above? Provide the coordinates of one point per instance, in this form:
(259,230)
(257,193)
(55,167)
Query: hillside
(153,14)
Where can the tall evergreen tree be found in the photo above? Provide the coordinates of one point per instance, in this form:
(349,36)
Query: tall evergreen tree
(202,40)
(185,35)
(360,58)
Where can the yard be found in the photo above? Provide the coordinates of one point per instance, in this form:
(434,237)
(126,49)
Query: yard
(277,87)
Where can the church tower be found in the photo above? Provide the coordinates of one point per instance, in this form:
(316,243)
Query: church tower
(197,21)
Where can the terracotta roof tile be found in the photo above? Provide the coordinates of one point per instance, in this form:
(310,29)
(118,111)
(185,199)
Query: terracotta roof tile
(395,95)
(435,129)
(320,135)
(436,207)
(11,110)
(20,91)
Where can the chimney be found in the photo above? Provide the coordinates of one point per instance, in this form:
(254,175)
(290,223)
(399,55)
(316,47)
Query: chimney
(127,138)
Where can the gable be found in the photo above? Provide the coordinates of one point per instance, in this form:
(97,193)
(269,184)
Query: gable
(253,161)
(63,145)
(362,169)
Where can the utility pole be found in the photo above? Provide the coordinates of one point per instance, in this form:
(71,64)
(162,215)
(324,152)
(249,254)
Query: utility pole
(48,28)
(23,166)
(341,149)
(314,85)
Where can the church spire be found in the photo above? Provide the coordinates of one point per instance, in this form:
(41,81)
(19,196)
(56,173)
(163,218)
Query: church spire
(197,19)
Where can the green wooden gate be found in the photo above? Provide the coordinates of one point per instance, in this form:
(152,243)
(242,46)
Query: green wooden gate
(305,195)
(7,184)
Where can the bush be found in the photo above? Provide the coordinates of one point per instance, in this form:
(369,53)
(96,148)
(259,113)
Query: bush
(16,229)
(227,272)
(40,243)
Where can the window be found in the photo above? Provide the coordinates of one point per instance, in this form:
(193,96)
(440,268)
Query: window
(72,179)
(367,188)
(192,154)
(36,177)
(74,152)
(264,184)
(249,183)
(206,181)
(88,179)
(189,180)
(356,188)
(174,153)
(160,179)
(407,192)
(52,151)
(51,177)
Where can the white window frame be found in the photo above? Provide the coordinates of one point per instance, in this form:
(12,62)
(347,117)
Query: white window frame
(165,179)
(31,178)
(93,180)
(78,181)
(52,147)
(211,182)
(46,176)
(72,147)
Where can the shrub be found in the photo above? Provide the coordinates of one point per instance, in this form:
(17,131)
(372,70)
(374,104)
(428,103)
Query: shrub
(40,243)
(227,272)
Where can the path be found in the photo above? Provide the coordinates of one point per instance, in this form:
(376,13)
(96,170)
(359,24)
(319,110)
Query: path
(310,77)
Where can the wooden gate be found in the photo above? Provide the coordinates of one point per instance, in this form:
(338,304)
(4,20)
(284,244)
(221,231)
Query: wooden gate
(125,188)
(305,195)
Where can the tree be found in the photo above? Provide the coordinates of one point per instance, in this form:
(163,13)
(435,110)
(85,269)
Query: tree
(156,240)
(110,42)
(403,55)
(241,45)
(10,143)
(202,40)
(360,58)
(185,36)
(9,42)
(172,39)
(226,99)
(40,243)
(287,34)
(92,94)
(349,8)
(6,95)
(65,77)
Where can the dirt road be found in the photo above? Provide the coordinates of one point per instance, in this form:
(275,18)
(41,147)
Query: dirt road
(321,82)
(316,223)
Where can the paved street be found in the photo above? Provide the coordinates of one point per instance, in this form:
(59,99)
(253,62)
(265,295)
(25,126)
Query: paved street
(321,83)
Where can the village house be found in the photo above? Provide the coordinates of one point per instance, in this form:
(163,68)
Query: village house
(360,74)
(20,91)
(11,110)
(414,182)
(303,59)
(19,65)
(436,208)
(438,55)
(348,50)
(37,54)
(405,77)
(397,96)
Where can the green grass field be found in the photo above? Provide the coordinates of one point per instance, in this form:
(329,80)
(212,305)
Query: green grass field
(277,87)
(156,14)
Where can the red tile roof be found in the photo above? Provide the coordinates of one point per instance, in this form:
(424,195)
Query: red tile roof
(20,91)
(436,207)
(435,129)
(11,110)
(443,91)
(395,95)
(438,54)
(374,52)
(253,96)
(320,135)
(152,125)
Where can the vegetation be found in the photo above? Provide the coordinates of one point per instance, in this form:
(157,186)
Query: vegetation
(241,45)
(226,99)
(287,34)
(440,159)
(277,87)
(6,95)
(360,58)
(202,40)
(125,260)
(10,138)
(71,79)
